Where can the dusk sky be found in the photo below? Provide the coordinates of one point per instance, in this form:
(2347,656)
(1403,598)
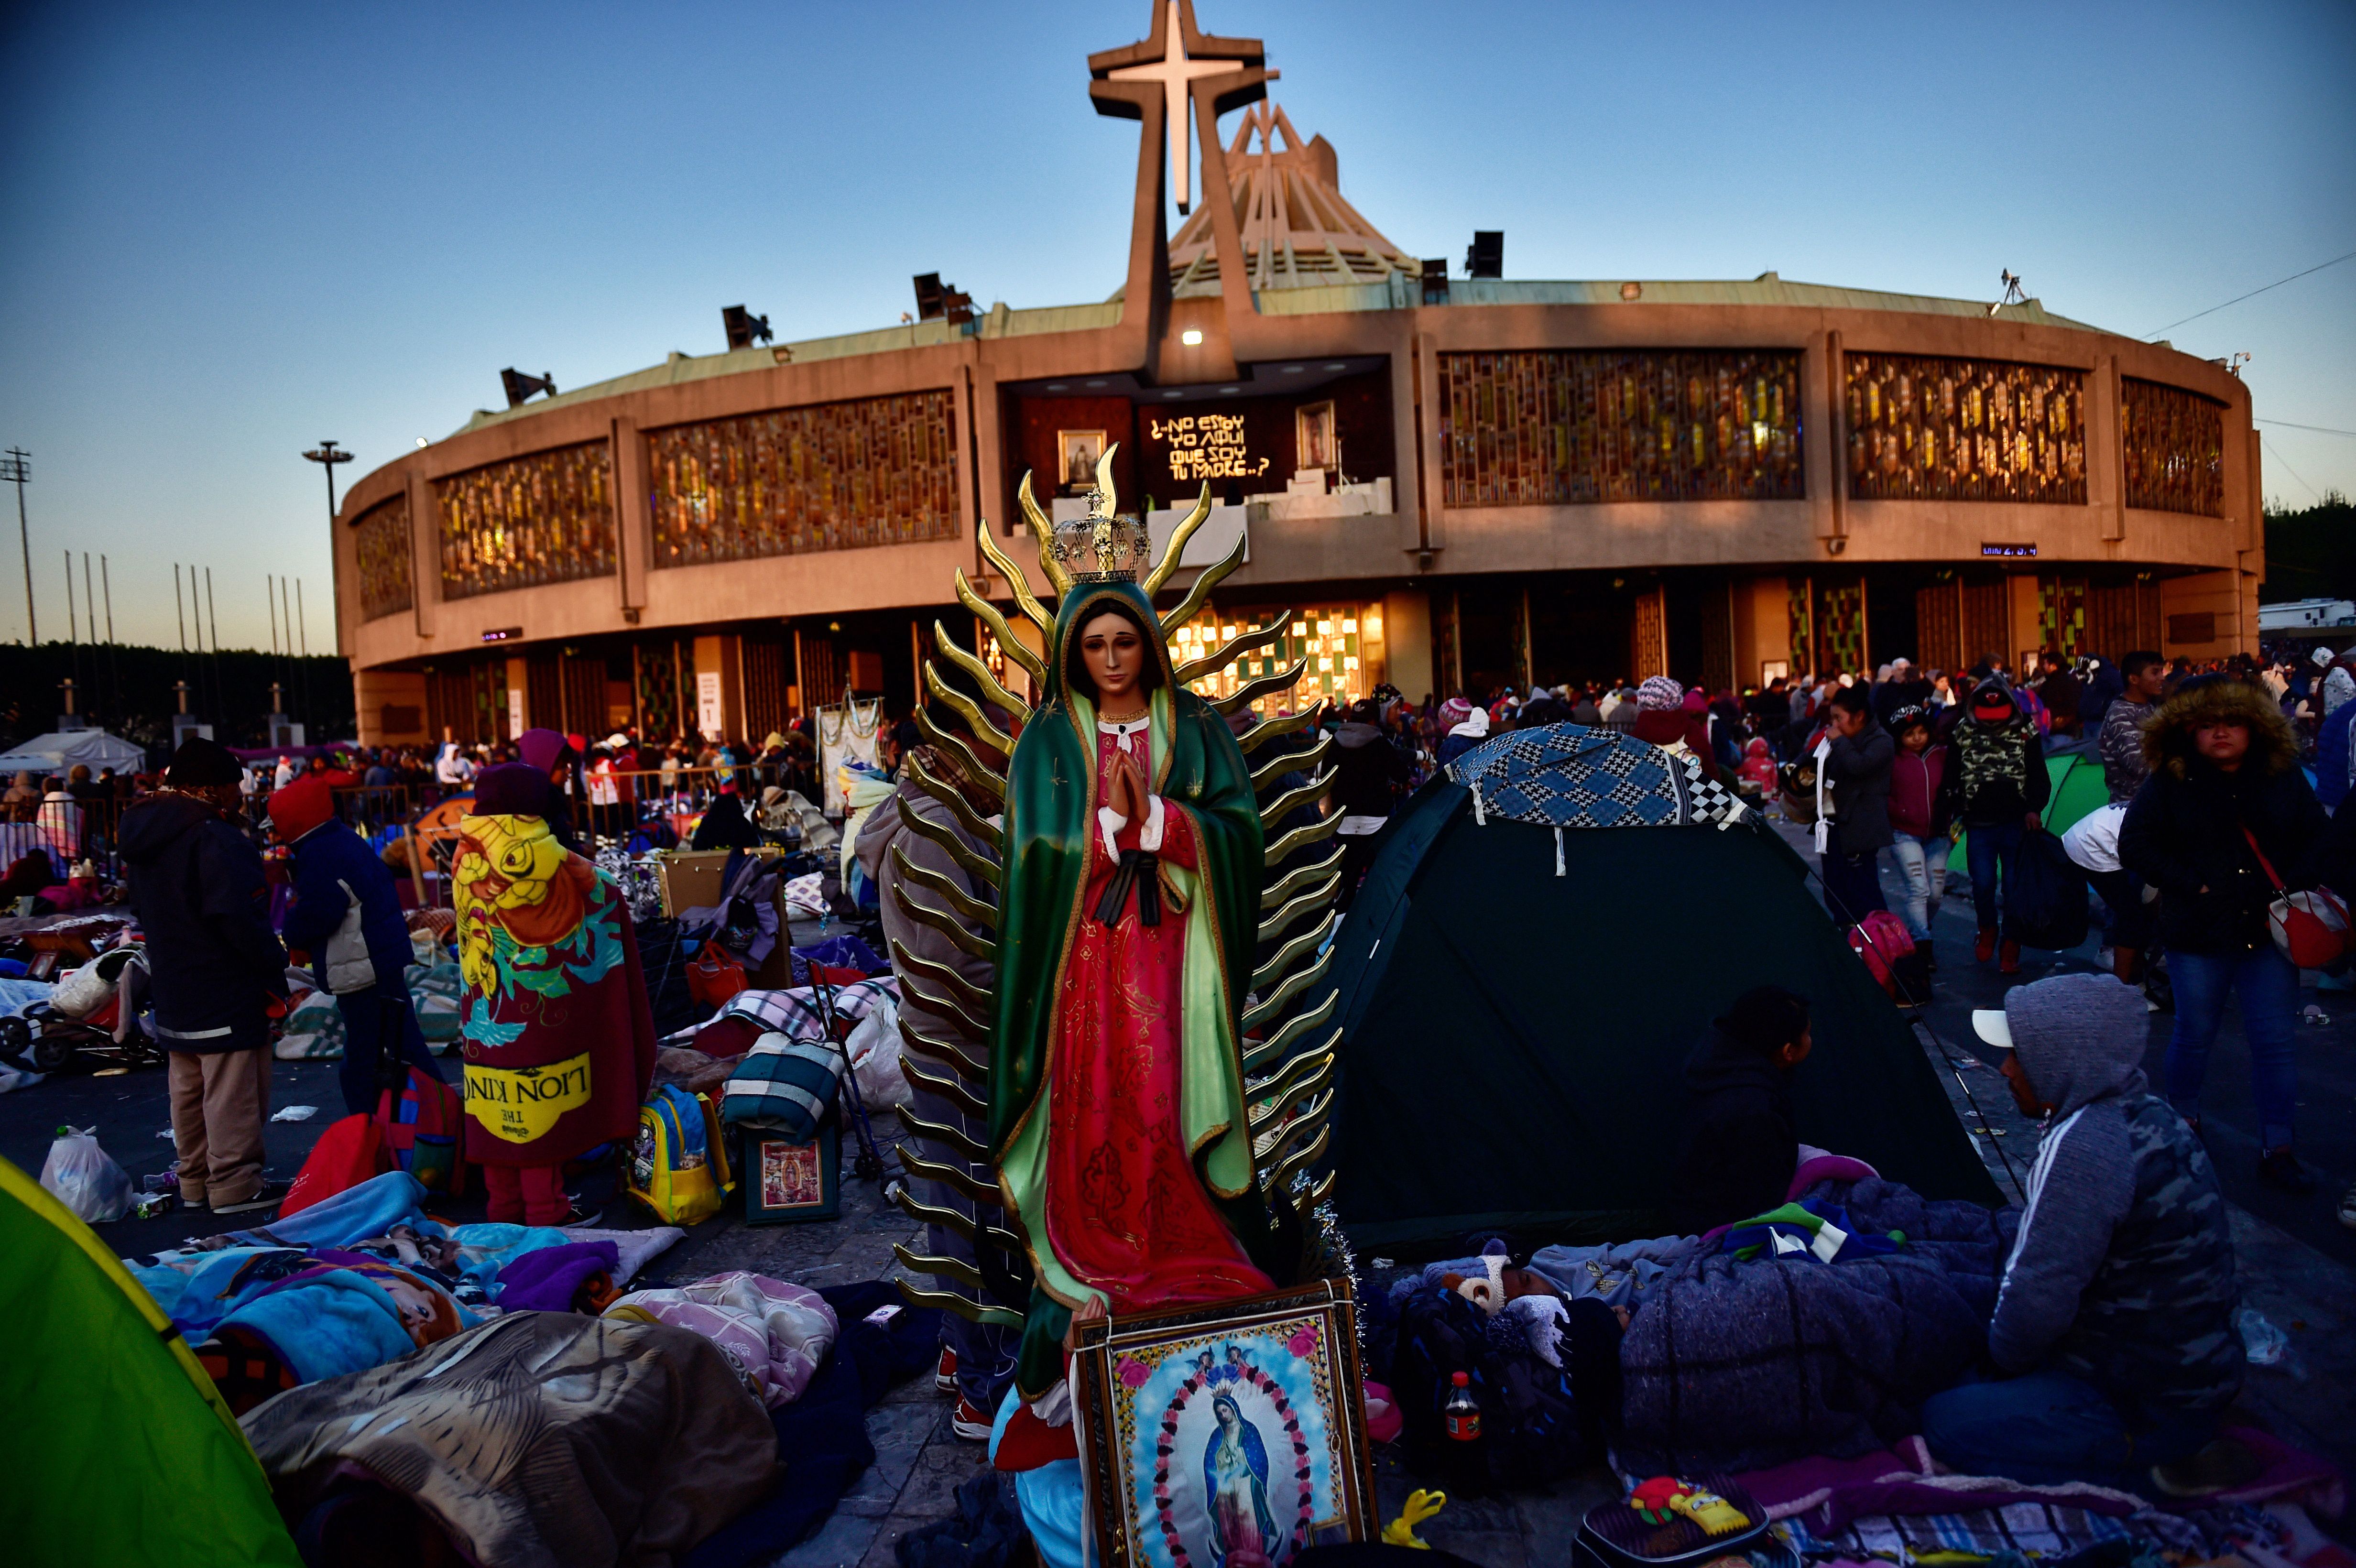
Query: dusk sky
(235,230)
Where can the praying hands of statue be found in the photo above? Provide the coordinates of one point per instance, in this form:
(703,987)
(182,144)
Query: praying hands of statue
(1130,793)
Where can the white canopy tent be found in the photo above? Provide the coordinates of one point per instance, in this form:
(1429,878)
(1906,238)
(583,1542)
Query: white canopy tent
(59,752)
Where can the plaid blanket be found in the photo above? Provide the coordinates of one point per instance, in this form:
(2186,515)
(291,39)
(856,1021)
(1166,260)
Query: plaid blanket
(798,1013)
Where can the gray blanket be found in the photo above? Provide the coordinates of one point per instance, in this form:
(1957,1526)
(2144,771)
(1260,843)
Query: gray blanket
(1732,1365)
(539,1440)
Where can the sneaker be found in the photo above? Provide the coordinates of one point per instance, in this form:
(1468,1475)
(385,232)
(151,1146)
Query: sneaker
(2223,1465)
(2157,992)
(945,1375)
(970,1422)
(2280,1167)
(578,1216)
(1985,948)
(269,1195)
(2009,959)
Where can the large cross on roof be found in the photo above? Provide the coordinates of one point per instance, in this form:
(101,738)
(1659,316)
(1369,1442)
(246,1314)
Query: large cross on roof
(1168,64)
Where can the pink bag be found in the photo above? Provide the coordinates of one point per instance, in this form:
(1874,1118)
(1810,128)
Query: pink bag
(1880,939)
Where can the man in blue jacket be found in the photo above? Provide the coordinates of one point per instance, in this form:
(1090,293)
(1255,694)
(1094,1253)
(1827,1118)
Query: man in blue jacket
(214,971)
(2114,1324)
(347,916)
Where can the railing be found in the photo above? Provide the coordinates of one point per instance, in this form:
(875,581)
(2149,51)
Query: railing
(68,832)
(417,829)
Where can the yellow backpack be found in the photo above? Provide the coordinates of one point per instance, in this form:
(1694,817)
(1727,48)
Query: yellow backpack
(679,1166)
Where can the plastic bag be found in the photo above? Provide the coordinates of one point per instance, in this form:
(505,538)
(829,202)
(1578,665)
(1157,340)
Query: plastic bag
(874,1052)
(85,1178)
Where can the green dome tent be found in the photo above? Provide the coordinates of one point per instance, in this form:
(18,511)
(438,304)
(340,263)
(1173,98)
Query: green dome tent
(2076,771)
(117,1447)
(1545,932)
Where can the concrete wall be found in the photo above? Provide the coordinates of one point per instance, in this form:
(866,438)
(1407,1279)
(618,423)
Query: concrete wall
(1422,542)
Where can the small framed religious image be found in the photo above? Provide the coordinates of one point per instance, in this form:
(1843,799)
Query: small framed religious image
(1313,439)
(786,1180)
(1080,449)
(1216,1436)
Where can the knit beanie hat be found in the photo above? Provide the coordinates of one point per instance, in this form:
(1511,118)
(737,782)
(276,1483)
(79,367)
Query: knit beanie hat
(542,748)
(201,763)
(299,808)
(511,789)
(1660,693)
(1766,1019)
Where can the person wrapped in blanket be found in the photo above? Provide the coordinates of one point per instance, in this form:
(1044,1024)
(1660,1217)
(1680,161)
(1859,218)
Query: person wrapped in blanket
(558,1039)
(358,1280)
(2114,1324)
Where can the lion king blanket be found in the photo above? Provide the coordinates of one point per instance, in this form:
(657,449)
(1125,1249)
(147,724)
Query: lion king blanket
(558,1043)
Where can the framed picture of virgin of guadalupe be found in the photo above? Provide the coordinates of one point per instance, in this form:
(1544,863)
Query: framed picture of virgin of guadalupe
(1225,1436)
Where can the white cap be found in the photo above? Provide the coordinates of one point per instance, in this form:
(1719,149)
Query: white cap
(1990,1025)
(2321,655)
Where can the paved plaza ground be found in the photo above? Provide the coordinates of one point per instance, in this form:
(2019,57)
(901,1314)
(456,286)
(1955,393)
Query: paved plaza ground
(2299,1265)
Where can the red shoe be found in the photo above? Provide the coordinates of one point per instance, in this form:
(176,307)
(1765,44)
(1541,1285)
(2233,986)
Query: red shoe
(1985,948)
(945,1375)
(971,1423)
(2008,959)
(1029,1443)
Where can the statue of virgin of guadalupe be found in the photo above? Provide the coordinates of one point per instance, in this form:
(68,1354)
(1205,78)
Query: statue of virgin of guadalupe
(1156,1106)
(1131,903)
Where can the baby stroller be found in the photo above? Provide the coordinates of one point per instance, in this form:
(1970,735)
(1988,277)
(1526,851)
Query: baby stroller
(75,1030)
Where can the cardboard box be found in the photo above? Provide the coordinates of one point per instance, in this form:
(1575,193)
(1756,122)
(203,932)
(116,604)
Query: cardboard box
(690,879)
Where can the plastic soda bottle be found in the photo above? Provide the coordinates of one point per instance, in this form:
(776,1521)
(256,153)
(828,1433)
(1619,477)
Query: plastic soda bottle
(1468,1455)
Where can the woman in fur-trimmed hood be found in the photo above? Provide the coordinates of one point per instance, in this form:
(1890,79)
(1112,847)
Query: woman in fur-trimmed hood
(2224,818)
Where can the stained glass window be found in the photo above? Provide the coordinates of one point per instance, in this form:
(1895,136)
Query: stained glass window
(1922,429)
(380,541)
(2175,448)
(1554,427)
(548,517)
(1342,643)
(874,471)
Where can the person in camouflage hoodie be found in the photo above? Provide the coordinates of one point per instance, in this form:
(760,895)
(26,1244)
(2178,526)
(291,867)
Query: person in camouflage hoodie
(2114,1324)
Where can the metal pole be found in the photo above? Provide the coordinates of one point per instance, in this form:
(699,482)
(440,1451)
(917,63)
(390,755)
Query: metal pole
(17,469)
(179,610)
(270,596)
(113,664)
(221,701)
(301,626)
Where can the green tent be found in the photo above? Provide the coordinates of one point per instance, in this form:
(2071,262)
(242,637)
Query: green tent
(2078,788)
(117,1447)
(1519,991)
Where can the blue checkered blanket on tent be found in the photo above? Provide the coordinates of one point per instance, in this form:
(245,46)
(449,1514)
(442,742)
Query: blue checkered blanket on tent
(1570,775)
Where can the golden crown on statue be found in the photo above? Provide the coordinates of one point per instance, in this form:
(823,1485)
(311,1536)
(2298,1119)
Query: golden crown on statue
(1103,547)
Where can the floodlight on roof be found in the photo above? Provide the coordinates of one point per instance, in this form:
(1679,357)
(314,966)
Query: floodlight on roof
(744,328)
(928,296)
(1486,259)
(520,386)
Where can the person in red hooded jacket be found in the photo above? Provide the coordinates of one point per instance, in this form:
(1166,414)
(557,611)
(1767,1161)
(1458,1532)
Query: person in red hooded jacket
(345,922)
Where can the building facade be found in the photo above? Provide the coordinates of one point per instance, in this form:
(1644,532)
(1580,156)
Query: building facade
(1449,484)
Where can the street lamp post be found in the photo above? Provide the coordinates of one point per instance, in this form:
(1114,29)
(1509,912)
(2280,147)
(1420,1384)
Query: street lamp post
(327,455)
(17,466)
